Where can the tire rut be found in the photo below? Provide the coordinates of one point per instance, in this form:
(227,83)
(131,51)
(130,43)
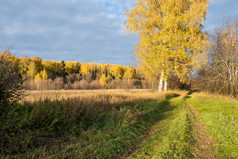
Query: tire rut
(203,144)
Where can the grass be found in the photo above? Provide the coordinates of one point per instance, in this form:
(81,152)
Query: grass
(120,124)
(96,126)
(171,137)
(221,118)
(179,134)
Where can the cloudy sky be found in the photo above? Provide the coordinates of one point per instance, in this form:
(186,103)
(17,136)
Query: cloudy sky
(80,30)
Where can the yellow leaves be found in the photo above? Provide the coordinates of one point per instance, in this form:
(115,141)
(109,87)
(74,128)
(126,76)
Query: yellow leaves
(129,73)
(103,68)
(85,69)
(71,67)
(117,71)
(170,34)
(37,77)
(103,80)
(44,75)
(41,76)
(32,70)
(37,70)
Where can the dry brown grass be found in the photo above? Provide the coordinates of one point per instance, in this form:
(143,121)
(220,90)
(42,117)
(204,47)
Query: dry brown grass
(115,96)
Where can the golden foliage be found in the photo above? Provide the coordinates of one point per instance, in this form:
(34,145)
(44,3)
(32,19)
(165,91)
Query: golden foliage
(44,75)
(103,80)
(117,71)
(37,77)
(171,37)
(85,69)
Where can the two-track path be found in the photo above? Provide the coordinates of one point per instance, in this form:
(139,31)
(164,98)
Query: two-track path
(181,134)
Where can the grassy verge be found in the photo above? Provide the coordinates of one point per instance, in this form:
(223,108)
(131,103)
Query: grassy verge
(171,137)
(75,129)
(221,118)
(118,125)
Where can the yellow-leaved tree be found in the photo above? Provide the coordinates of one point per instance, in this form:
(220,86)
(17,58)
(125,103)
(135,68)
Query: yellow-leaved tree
(171,36)
(117,71)
(44,75)
(103,80)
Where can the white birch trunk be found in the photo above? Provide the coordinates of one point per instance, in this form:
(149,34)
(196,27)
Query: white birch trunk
(161,82)
(165,85)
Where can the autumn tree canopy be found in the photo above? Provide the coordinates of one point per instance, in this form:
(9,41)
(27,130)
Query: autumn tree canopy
(171,36)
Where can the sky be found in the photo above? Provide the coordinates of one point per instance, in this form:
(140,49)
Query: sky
(81,30)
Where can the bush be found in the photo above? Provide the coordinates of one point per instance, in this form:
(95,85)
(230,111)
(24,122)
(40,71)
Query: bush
(10,82)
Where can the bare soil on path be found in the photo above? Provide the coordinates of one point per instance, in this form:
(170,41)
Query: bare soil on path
(204,145)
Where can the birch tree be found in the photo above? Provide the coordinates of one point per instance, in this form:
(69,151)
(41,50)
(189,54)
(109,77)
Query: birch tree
(171,36)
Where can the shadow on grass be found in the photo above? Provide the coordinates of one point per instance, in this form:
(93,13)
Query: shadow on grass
(161,112)
(171,95)
(187,97)
(193,91)
(190,93)
(120,131)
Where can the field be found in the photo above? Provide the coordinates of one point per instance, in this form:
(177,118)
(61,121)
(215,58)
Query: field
(120,124)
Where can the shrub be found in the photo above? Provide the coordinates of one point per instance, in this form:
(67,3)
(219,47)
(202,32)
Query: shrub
(10,82)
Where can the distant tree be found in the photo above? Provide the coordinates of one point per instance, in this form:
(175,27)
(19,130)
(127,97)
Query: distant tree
(109,78)
(103,81)
(38,77)
(129,73)
(31,70)
(69,67)
(93,70)
(62,71)
(54,68)
(44,75)
(38,63)
(86,72)
(85,69)
(23,65)
(117,71)
(103,68)
(171,37)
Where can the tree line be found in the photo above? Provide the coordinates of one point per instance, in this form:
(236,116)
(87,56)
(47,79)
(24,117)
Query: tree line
(40,74)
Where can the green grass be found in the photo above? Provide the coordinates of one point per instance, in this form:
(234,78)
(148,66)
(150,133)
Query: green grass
(66,129)
(221,118)
(171,137)
(161,128)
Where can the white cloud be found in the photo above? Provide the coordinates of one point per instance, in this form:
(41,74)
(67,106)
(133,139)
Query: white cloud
(76,29)
(83,30)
